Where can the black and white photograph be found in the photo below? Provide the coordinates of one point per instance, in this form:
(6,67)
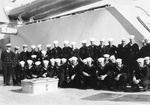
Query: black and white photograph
(74,52)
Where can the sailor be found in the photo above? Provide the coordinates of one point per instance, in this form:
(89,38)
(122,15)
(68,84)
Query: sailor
(33,50)
(101,48)
(7,57)
(56,51)
(122,50)
(49,50)
(24,55)
(92,49)
(39,52)
(121,75)
(51,71)
(74,50)
(73,73)
(111,49)
(132,54)
(16,65)
(66,50)
(140,76)
(83,51)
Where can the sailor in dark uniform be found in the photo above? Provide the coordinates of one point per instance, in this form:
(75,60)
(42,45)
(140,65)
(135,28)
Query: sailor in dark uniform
(83,51)
(44,56)
(132,54)
(92,49)
(51,70)
(16,61)
(49,51)
(7,58)
(120,75)
(56,51)
(39,53)
(29,70)
(140,76)
(101,49)
(122,51)
(101,74)
(74,50)
(66,50)
(22,71)
(88,75)
(111,49)
(33,51)
(145,50)
(24,55)
(73,73)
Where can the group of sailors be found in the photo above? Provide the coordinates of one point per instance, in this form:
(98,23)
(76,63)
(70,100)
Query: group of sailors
(95,66)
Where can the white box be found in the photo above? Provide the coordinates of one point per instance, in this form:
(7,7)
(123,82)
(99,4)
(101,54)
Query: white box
(40,85)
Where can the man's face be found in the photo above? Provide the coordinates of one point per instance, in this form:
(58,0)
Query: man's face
(84,44)
(92,42)
(141,64)
(102,43)
(102,64)
(110,43)
(123,42)
(147,61)
(24,48)
(131,40)
(8,48)
(119,64)
(113,60)
(55,45)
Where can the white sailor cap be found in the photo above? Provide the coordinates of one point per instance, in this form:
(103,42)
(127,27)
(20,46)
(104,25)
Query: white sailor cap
(147,58)
(55,42)
(73,43)
(66,42)
(92,39)
(140,60)
(63,60)
(118,60)
(16,48)
(110,39)
(52,60)
(24,46)
(131,37)
(29,61)
(57,60)
(8,45)
(33,46)
(84,61)
(89,59)
(45,61)
(22,62)
(83,41)
(43,52)
(106,55)
(102,40)
(39,45)
(33,56)
(48,45)
(37,63)
(74,58)
(101,59)
(112,57)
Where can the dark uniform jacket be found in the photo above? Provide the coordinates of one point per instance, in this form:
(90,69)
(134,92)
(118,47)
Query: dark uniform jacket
(101,51)
(142,74)
(66,52)
(111,50)
(83,52)
(145,50)
(16,60)
(92,51)
(57,52)
(49,53)
(75,52)
(24,56)
(39,55)
(7,58)
(122,52)
(123,70)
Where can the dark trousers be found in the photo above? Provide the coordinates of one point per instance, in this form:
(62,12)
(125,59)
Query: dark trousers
(7,74)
